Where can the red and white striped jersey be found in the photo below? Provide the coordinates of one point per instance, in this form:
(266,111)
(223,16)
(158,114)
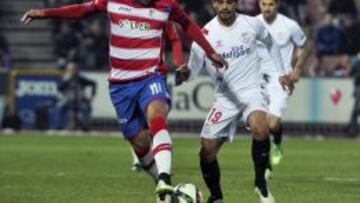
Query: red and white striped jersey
(136,32)
(136,36)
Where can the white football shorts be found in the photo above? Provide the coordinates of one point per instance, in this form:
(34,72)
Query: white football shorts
(277,96)
(222,119)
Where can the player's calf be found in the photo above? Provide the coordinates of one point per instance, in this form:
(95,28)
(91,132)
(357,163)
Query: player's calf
(142,148)
(210,167)
(276,131)
(156,113)
(275,128)
(260,148)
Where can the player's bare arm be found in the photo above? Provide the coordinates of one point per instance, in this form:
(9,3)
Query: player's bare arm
(301,54)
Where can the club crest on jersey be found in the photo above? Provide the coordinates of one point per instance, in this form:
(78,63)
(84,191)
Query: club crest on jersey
(134,25)
(247,38)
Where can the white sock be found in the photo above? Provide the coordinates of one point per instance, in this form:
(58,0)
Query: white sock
(134,156)
(161,148)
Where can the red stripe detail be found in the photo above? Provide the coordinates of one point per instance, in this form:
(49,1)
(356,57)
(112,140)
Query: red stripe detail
(157,124)
(147,167)
(162,147)
(136,65)
(129,43)
(126,80)
(118,18)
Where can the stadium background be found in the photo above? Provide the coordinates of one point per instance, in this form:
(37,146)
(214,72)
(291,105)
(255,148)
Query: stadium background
(322,103)
(94,167)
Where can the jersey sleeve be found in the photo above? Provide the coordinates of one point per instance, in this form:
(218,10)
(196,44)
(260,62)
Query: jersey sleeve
(170,31)
(264,37)
(297,35)
(267,63)
(196,60)
(176,45)
(76,10)
(261,32)
(191,29)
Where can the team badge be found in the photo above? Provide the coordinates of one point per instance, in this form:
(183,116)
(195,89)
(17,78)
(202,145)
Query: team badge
(247,38)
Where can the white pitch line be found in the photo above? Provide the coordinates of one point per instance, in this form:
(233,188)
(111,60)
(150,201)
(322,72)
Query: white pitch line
(337,179)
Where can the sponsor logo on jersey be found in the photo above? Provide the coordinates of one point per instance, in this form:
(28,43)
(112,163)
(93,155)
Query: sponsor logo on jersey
(236,52)
(134,25)
(121,8)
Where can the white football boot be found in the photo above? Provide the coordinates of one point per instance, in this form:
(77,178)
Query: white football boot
(269,199)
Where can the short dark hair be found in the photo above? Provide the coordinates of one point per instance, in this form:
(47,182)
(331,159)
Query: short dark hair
(277,1)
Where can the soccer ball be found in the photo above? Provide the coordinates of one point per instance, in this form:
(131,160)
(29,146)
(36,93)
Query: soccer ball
(187,193)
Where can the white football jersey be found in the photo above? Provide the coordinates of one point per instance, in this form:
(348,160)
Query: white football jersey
(287,33)
(237,44)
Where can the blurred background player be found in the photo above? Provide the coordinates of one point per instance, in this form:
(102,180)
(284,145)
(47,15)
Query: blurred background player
(73,102)
(138,92)
(294,49)
(171,35)
(353,127)
(238,93)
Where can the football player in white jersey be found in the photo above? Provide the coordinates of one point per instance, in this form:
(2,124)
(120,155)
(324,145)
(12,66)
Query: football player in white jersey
(294,47)
(238,92)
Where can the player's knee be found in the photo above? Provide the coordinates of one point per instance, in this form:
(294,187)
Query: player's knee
(207,154)
(155,109)
(260,131)
(141,151)
(141,146)
(141,139)
(274,124)
(275,128)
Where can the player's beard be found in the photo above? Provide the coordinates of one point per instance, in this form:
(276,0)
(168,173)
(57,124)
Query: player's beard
(145,2)
(227,18)
(269,16)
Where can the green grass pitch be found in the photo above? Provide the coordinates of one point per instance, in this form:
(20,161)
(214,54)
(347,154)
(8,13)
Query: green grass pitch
(73,169)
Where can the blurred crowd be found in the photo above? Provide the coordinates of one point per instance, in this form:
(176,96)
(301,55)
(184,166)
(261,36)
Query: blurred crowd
(5,58)
(84,42)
